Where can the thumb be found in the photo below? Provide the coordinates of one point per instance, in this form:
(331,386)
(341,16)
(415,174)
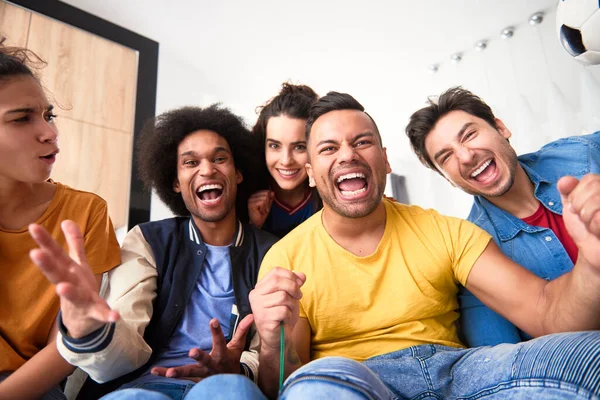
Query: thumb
(239,337)
(565,186)
(301,277)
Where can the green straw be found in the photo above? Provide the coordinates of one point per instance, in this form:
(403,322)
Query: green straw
(281,355)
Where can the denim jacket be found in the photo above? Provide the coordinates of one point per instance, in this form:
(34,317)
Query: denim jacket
(535,248)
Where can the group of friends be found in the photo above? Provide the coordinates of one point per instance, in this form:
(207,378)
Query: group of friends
(287,273)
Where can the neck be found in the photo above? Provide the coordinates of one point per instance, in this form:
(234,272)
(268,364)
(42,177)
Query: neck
(342,228)
(290,197)
(219,233)
(14,195)
(520,199)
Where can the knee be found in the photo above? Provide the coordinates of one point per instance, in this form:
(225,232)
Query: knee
(135,394)
(225,386)
(334,377)
(332,366)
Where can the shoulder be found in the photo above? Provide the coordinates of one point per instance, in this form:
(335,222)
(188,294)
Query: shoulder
(478,214)
(571,149)
(71,195)
(262,239)
(164,228)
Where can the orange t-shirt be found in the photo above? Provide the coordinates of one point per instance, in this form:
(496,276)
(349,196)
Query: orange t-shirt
(28,301)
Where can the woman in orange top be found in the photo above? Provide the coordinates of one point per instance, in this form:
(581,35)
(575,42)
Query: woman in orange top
(30,365)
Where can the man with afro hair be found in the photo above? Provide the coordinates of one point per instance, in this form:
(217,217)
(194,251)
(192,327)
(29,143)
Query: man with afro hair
(177,308)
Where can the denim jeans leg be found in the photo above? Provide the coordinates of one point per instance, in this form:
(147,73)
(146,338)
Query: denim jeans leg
(334,378)
(225,387)
(559,366)
(135,394)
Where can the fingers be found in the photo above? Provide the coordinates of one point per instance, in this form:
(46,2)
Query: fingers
(75,242)
(49,246)
(583,198)
(239,337)
(189,372)
(281,279)
(219,349)
(89,304)
(565,186)
(54,270)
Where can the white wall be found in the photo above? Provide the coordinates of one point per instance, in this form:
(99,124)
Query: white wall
(238,53)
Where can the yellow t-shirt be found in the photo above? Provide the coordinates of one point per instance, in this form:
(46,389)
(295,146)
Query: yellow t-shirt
(402,295)
(28,301)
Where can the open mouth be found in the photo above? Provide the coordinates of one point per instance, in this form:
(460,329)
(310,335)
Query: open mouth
(288,173)
(49,158)
(210,194)
(352,185)
(485,172)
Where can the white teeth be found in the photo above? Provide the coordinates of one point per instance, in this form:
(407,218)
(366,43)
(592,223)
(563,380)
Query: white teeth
(209,187)
(288,171)
(480,169)
(348,193)
(351,176)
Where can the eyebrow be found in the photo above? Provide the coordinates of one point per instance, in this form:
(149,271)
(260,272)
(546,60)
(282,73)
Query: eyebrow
(354,139)
(28,110)
(459,134)
(215,150)
(292,143)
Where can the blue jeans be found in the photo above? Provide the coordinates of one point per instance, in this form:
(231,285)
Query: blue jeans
(151,391)
(325,378)
(560,366)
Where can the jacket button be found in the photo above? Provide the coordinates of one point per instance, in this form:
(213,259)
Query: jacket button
(550,203)
(199,252)
(548,238)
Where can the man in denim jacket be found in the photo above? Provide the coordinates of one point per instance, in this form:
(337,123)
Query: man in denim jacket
(516,199)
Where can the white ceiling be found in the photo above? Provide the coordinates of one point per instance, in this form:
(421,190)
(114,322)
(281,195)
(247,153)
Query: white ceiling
(237,31)
(240,51)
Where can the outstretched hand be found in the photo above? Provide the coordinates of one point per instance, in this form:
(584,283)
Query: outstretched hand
(83,310)
(581,214)
(223,358)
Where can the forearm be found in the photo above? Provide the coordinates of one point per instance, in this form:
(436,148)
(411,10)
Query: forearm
(37,376)
(117,350)
(571,302)
(268,375)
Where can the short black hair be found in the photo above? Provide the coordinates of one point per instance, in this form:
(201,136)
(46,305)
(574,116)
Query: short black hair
(334,101)
(423,121)
(160,138)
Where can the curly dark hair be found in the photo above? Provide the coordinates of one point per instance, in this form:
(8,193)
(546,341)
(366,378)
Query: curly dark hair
(424,120)
(160,138)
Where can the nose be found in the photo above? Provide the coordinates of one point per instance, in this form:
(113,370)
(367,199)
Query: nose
(346,153)
(206,167)
(464,155)
(48,132)
(286,157)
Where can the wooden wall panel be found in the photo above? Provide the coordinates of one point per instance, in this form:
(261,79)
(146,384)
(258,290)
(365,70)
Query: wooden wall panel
(93,78)
(14,24)
(97,160)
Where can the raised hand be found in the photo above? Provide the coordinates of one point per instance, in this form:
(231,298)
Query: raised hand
(224,357)
(581,214)
(276,299)
(259,207)
(83,310)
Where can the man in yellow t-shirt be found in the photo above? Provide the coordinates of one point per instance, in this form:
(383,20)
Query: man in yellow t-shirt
(375,281)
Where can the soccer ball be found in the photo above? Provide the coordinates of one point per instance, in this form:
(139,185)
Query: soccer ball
(578,24)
